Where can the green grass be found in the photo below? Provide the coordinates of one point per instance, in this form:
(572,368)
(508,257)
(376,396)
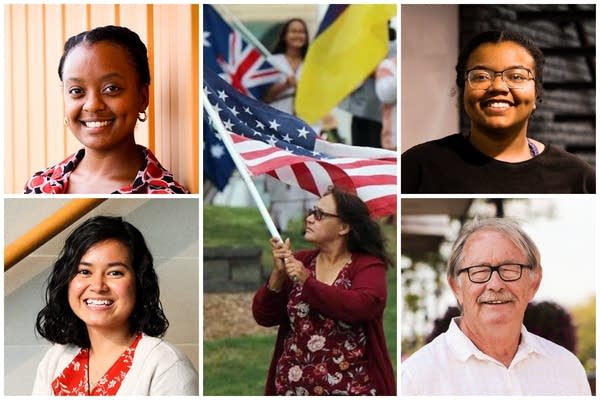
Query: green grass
(238,366)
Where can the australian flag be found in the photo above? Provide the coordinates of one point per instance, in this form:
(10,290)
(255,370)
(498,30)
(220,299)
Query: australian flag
(272,142)
(237,62)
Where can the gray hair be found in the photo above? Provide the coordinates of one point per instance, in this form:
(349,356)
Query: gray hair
(504,225)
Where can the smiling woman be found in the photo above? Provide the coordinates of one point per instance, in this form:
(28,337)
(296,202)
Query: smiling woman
(105,76)
(499,76)
(105,318)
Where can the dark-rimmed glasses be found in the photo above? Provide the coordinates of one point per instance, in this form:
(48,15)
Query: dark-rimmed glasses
(319,214)
(483,273)
(514,78)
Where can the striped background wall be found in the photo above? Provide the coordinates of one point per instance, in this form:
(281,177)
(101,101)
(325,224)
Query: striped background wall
(34,134)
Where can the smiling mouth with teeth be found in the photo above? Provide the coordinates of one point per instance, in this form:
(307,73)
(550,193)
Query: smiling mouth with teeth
(92,302)
(497,104)
(95,124)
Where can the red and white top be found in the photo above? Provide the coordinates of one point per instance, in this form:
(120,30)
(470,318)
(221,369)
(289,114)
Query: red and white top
(151,178)
(74,380)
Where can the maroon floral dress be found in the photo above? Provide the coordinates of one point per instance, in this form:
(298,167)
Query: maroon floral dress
(322,356)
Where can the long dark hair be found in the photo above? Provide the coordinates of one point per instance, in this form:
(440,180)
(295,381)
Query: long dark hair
(119,35)
(57,322)
(365,233)
(280,46)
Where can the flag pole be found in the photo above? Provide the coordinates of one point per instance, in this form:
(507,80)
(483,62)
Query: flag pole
(241,167)
(254,41)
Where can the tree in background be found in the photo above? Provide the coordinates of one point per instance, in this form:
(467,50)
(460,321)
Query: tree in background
(585,321)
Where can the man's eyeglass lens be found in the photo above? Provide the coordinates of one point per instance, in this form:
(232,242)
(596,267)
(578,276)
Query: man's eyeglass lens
(483,273)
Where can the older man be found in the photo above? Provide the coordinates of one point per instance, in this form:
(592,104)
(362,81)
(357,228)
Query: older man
(494,271)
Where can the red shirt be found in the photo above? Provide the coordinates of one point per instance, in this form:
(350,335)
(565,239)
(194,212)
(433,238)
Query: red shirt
(151,178)
(74,380)
(358,303)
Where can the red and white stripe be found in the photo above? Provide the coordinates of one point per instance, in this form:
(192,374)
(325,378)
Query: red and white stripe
(372,176)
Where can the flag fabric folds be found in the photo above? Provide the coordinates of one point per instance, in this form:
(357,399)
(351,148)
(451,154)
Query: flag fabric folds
(236,61)
(285,147)
(350,42)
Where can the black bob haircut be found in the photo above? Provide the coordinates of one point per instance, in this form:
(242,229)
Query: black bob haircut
(496,37)
(119,35)
(56,321)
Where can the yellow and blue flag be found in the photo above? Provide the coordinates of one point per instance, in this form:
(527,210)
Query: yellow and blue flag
(350,42)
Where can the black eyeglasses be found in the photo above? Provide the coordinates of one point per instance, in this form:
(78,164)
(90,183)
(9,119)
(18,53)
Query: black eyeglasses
(483,273)
(514,78)
(319,214)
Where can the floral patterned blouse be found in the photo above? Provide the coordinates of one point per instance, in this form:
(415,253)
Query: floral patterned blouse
(322,356)
(74,380)
(151,178)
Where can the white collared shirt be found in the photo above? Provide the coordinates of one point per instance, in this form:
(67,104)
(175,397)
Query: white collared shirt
(452,365)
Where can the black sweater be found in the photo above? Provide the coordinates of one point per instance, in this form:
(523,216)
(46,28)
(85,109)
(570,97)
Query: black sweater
(453,165)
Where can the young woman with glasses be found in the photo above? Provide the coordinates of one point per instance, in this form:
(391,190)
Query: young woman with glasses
(328,304)
(499,80)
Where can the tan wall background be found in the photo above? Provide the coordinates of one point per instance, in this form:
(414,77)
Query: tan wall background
(35,136)
(429,46)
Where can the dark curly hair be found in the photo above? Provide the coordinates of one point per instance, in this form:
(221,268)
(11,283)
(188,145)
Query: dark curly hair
(57,322)
(121,36)
(365,234)
(499,37)
(281,45)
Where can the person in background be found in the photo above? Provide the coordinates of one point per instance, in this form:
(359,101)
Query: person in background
(103,314)
(105,79)
(499,75)
(328,304)
(385,87)
(288,54)
(365,107)
(494,271)
(287,202)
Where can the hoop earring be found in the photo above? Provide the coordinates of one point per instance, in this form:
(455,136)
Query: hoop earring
(142,116)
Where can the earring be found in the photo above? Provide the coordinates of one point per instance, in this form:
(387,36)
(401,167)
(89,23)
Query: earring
(66,122)
(142,116)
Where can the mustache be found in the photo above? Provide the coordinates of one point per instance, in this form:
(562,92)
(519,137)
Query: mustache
(495,296)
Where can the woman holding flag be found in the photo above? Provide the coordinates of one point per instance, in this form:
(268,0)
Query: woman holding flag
(328,303)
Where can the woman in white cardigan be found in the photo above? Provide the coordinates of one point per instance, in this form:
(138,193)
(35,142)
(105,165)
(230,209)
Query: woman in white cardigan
(104,316)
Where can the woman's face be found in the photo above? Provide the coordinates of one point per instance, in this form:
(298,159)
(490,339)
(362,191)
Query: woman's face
(102,293)
(328,228)
(500,108)
(102,95)
(296,35)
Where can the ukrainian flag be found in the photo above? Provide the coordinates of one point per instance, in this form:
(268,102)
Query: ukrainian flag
(351,41)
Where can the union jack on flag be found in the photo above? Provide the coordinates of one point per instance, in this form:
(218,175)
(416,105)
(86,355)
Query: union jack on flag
(239,63)
(272,142)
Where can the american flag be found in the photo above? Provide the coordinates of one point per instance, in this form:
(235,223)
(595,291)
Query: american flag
(285,147)
(236,61)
